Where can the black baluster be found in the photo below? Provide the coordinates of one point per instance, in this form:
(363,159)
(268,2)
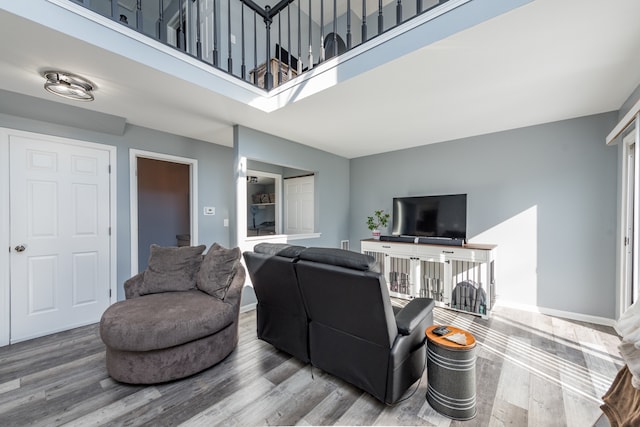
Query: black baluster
(348,24)
(380,18)
(243,67)
(268,77)
(310,39)
(399,12)
(215,33)
(198,35)
(139,15)
(289,71)
(321,31)
(229,59)
(418,7)
(335,30)
(181,38)
(255,48)
(160,27)
(299,70)
(364,21)
(279,50)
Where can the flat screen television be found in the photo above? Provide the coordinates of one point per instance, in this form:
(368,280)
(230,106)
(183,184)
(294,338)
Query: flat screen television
(431,216)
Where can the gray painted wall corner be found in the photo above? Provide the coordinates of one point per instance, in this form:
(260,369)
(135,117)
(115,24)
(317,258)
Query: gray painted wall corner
(545,194)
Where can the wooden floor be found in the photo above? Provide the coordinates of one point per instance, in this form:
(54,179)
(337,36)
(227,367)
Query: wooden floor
(532,370)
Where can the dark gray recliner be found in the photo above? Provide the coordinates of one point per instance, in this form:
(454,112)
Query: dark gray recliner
(281,317)
(353,332)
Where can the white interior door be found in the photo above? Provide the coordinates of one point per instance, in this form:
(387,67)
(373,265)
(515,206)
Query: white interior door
(60,244)
(299,200)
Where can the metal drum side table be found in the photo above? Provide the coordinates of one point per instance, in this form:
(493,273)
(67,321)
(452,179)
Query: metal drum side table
(451,373)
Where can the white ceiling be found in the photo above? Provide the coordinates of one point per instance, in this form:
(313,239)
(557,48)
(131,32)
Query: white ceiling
(548,60)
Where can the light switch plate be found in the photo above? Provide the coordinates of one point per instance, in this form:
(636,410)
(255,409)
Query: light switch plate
(209,210)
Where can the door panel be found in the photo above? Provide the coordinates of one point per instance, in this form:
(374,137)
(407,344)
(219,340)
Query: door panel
(85,272)
(60,214)
(299,200)
(42,274)
(42,209)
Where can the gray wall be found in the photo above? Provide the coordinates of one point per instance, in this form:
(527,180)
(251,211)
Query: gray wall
(546,195)
(332,176)
(215,171)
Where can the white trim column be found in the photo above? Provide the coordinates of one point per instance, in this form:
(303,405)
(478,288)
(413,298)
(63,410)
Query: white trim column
(5,300)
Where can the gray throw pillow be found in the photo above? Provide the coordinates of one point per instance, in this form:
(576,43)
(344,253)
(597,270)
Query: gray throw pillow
(171,269)
(217,270)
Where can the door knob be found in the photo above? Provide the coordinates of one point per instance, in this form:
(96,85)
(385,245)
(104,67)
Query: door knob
(20,248)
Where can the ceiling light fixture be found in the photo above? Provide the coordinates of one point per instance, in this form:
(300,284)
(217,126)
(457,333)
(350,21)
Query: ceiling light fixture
(68,85)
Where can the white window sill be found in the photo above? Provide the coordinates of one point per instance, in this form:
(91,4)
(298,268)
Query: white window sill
(302,236)
(285,237)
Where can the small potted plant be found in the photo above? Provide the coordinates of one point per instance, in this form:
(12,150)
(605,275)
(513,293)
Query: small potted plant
(378,221)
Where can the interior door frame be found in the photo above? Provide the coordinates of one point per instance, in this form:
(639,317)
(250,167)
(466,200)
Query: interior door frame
(626,283)
(5,259)
(133,193)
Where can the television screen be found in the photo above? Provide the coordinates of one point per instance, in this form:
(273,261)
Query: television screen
(431,216)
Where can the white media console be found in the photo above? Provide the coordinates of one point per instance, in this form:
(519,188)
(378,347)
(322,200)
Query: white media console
(457,277)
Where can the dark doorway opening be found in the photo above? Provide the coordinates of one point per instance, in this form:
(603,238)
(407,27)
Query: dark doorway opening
(164,216)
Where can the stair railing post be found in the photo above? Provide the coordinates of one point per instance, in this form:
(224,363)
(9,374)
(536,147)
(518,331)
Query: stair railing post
(198,34)
(181,36)
(364,21)
(348,24)
(380,18)
(335,29)
(243,67)
(255,48)
(268,77)
(215,33)
(160,30)
(322,52)
(310,40)
(279,51)
(229,48)
(289,71)
(299,70)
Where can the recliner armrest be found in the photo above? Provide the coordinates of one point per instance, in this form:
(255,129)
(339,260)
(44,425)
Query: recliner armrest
(412,314)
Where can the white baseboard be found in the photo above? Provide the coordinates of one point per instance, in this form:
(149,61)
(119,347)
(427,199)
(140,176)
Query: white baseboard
(558,313)
(248,307)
